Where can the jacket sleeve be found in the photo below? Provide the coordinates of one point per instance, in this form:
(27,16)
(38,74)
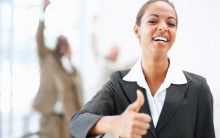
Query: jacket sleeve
(41,46)
(205,125)
(101,104)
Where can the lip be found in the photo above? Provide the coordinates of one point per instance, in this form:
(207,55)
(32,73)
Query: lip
(160,43)
(164,36)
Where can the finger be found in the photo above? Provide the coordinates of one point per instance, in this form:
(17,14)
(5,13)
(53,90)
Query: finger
(142,125)
(143,117)
(136,136)
(140,132)
(135,106)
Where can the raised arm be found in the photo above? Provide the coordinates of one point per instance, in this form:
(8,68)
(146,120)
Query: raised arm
(41,46)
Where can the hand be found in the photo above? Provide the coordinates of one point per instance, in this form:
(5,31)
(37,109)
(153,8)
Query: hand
(68,53)
(114,53)
(46,3)
(131,123)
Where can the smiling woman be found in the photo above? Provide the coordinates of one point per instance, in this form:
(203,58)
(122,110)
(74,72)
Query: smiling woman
(19,75)
(172,103)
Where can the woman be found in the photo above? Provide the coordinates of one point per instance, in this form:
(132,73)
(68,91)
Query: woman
(179,103)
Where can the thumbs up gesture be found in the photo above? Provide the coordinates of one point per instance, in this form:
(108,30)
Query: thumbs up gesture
(131,123)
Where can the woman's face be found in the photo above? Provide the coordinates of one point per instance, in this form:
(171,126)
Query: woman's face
(157,31)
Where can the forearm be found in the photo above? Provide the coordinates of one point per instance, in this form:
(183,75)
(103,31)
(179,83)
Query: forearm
(83,122)
(103,126)
(41,27)
(40,39)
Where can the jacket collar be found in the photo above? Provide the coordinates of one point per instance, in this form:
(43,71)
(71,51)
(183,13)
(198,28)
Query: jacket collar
(174,74)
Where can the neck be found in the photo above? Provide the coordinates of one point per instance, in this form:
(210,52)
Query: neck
(58,54)
(155,70)
(155,66)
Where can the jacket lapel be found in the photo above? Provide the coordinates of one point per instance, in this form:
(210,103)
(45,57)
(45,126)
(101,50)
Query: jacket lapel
(130,88)
(174,96)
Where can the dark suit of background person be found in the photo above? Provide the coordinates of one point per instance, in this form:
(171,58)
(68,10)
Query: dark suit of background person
(56,83)
(185,107)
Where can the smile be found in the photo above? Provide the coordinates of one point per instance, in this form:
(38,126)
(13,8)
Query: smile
(160,39)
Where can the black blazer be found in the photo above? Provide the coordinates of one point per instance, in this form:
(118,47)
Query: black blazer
(187,111)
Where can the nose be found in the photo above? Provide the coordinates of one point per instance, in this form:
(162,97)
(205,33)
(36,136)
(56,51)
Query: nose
(163,27)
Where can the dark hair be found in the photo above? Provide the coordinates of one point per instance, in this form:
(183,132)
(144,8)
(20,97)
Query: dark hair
(59,39)
(146,5)
(61,42)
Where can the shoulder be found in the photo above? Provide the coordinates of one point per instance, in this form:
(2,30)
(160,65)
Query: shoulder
(115,77)
(198,83)
(119,74)
(195,78)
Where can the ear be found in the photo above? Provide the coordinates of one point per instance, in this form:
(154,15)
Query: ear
(137,31)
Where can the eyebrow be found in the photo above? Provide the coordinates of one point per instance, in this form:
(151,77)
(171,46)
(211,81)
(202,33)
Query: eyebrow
(153,15)
(158,16)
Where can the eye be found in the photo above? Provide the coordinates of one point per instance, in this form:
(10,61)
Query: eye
(152,21)
(171,24)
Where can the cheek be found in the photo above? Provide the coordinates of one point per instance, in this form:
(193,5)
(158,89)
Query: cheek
(147,30)
(146,35)
(173,35)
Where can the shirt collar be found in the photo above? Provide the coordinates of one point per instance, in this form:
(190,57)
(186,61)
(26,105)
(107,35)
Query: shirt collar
(174,74)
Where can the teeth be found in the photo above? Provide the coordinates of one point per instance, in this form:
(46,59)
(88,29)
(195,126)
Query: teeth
(160,39)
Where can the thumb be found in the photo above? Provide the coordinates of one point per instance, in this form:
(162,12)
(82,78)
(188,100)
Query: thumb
(135,106)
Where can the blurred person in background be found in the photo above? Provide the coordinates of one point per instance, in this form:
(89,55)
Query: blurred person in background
(60,91)
(107,63)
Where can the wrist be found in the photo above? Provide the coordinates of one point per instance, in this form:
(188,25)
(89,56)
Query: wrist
(110,123)
(105,125)
(42,16)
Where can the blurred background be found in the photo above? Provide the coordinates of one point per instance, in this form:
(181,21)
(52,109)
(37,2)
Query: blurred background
(105,24)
